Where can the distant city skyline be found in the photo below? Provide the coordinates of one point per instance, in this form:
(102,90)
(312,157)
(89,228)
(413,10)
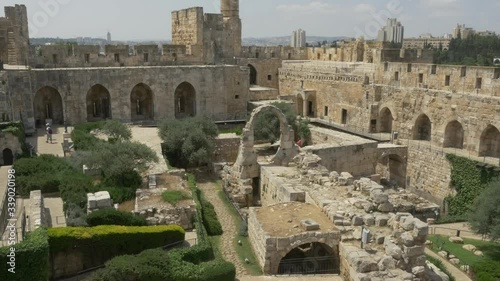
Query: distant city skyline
(151,20)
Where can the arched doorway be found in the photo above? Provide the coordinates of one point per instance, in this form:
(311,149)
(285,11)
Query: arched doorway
(141,103)
(253,75)
(386,119)
(392,169)
(490,142)
(246,165)
(454,135)
(8,157)
(423,128)
(98,104)
(48,105)
(185,101)
(310,258)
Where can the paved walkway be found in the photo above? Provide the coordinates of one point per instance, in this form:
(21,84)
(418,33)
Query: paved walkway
(451,230)
(149,137)
(457,273)
(39,141)
(292,278)
(210,190)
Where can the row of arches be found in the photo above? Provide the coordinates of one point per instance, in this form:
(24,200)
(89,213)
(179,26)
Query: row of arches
(454,134)
(48,103)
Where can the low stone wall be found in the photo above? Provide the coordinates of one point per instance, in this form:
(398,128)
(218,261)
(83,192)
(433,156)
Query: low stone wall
(278,190)
(257,238)
(226,148)
(359,159)
(36,211)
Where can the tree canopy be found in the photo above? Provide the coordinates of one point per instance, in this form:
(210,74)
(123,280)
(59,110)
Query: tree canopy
(475,50)
(188,142)
(485,216)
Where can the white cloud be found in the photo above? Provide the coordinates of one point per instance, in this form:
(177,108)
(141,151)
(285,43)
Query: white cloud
(442,8)
(313,7)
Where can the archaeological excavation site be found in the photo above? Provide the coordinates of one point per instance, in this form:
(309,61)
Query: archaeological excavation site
(206,158)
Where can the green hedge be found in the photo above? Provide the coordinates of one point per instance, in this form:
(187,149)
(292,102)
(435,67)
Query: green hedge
(192,264)
(31,259)
(486,270)
(198,264)
(208,214)
(96,245)
(469,178)
(115,217)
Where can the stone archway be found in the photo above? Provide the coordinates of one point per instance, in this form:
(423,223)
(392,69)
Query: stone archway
(141,103)
(246,163)
(392,168)
(489,145)
(253,75)
(423,128)
(98,104)
(454,135)
(310,258)
(386,120)
(185,101)
(48,104)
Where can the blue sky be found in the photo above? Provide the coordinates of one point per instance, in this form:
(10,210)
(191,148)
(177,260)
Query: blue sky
(150,19)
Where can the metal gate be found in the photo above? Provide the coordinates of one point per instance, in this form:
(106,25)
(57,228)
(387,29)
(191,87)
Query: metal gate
(310,265)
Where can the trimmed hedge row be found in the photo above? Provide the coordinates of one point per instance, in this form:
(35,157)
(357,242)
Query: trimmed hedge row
(115,217)
(97,245)
(31,258)
(198,264)
(193,264)
(486,270)
(208,214)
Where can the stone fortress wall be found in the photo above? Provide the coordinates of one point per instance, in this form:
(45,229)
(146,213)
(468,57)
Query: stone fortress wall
(432,107)
(14,35)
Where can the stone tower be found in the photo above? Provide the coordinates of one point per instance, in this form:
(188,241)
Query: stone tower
(232,26)
(17,35)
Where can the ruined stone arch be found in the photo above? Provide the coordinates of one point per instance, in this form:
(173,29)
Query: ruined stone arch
(386,120)
(141,103)
(185,100)
(253,75)
(454,135)
(393,168)
(489,145)
(48,104)
(98,103)
(326,252)
(422,129)
(246,164)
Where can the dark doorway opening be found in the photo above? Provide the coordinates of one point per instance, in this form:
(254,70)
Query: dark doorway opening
(256,191)
(344,116)
(8,157)
(311,109)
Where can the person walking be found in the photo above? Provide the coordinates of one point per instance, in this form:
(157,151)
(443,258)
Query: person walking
(49,133)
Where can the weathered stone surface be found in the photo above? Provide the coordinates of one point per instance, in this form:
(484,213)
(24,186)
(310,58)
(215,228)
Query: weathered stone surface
(470,248)
(456,240)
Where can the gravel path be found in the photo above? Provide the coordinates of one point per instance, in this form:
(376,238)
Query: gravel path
(210,190)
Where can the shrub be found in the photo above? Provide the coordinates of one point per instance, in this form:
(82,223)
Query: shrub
(96,245)
(115,217)
(197,264)
(174,196)
(32,258)
(486,270)
(189,142)
(150,265)
(210,220)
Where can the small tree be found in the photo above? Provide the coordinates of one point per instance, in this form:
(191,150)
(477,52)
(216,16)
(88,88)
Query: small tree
(485,216)
(117,130)
(116,160)
(267,125)
(189,142)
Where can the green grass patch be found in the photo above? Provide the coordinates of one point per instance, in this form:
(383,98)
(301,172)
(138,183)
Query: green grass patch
(245,249)
(174,196)
(486,268)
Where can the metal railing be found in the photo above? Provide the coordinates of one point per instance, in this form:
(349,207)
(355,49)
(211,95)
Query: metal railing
(309,266)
